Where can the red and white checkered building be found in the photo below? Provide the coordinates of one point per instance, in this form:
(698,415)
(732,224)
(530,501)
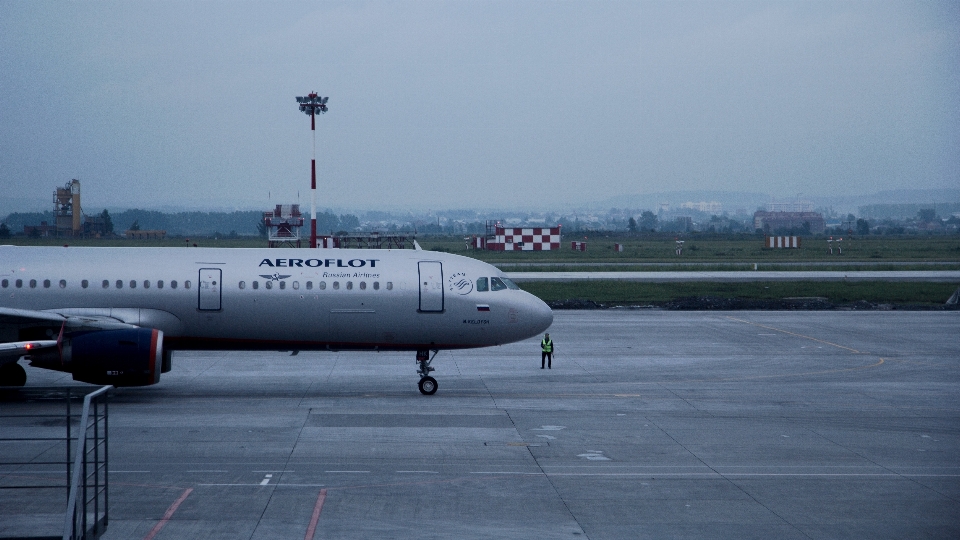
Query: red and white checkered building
(524,239)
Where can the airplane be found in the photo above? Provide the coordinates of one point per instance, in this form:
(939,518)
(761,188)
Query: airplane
(115,315)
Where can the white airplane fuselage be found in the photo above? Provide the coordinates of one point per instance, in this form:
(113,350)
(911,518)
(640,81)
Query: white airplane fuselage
(110,315)
(210,298)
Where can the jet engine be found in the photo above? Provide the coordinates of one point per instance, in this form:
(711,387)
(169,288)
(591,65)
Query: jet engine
(131,357)
(127,357)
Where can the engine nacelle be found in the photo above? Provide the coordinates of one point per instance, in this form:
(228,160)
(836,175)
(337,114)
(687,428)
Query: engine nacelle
(130,357)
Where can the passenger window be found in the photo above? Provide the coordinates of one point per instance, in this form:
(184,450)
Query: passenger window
(46,284)
(389,285)
(243,285)
(106,284)
(159,283)
(256,285)
(4,284)
(269,284)
(363,285)
(322,285)
(33,284)
(146,284)
(186,284)
(309,285)
(173,284)
(496,284)
(84,284)
(63,284)
(511,285)
(119,284)
(133,284)
(283,284)
(336,285)
(482,285)
(19,283)
(296,285)
(376,285)
(349,285)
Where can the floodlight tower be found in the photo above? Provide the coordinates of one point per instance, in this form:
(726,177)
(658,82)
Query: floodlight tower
(312,105)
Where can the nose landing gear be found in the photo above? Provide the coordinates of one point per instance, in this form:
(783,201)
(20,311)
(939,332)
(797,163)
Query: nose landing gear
(427,384)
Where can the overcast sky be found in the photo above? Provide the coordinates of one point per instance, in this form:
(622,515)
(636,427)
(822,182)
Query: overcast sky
(439,105)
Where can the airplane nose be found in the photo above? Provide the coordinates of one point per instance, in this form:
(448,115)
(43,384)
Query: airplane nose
(540,316)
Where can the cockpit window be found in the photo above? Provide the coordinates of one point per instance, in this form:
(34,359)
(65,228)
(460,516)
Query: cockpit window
(496,284)
(511,285)
(482,285)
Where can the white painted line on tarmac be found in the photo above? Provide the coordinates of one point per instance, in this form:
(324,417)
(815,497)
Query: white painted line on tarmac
(258,485)
(418,472)
(128,472)
(266,480)
(348,472)
(515,473)
(207,470)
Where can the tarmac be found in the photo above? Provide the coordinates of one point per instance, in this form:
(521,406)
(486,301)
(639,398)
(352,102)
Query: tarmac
(744,276)
(651,424)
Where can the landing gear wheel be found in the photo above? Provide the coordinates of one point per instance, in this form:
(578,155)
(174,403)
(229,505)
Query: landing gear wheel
(13,374)
(428,386)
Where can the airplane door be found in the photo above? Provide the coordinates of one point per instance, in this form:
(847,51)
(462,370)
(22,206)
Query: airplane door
(209,289)
(431,286)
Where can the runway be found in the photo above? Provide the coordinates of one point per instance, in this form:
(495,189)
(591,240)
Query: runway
(651,424)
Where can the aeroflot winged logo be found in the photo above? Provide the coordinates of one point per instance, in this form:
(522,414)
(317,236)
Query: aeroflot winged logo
(274,277)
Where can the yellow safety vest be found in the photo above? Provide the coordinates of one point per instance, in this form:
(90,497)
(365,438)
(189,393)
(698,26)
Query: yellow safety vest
(547,346)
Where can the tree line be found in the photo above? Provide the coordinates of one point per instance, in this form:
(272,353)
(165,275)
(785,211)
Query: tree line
(240,222)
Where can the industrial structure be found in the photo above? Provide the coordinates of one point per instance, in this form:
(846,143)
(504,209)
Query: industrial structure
(283,225)
(69,220)
(500,238)
(66,209)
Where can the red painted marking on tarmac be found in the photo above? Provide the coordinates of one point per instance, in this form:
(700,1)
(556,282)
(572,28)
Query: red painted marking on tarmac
(312,529)
(169,514)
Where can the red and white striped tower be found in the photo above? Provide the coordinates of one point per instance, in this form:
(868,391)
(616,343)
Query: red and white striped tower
(313,105)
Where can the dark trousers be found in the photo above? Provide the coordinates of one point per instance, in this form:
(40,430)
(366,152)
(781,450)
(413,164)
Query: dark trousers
(546,358)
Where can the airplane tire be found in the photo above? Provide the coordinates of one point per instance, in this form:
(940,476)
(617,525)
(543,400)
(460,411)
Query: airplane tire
(13,374)
(428,386)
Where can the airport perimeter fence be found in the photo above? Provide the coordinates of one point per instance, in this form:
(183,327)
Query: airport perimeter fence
(43,452)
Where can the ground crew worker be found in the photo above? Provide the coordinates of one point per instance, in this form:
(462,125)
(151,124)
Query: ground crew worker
(546,355)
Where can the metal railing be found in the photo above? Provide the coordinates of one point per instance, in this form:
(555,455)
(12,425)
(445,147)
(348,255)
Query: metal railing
(87,513)
(30,465)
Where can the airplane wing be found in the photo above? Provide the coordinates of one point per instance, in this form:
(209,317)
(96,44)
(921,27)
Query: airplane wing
(16,349)
(25,331)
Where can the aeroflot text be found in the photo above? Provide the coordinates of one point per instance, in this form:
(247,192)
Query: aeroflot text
(319,263)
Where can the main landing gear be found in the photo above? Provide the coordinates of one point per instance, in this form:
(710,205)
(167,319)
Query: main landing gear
(428,385)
